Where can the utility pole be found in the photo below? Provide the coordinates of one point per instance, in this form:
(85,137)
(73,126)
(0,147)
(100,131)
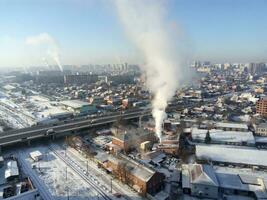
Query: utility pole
(111,185)
(66,173)
(68,193)
(66,146)
(87,167)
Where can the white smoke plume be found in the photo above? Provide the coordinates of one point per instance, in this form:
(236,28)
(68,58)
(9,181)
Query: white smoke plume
(155,38)
(49,42)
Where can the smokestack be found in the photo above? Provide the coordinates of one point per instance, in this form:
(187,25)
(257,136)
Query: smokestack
(50,44)
(148,29)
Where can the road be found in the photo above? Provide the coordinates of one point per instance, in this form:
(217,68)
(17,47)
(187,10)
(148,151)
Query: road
(26,134)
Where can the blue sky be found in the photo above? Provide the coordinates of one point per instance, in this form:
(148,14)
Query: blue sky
(88,31)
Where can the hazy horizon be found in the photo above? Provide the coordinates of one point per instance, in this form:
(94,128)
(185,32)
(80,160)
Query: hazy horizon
(89,32)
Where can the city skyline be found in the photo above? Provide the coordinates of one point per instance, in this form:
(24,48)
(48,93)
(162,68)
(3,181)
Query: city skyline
(90,32)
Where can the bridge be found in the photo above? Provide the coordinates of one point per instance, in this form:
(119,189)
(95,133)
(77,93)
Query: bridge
(66,127)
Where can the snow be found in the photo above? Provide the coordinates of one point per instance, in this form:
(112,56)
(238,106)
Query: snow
(231,125)
(230,154)
(12,169)
(223,136)
(60,180)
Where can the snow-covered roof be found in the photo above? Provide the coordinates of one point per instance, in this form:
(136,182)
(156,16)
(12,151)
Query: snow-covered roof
(223,136)
(262,125)
(74,103)
(227,154)
(202,174)
(243,183)
(231,125)
(12,169)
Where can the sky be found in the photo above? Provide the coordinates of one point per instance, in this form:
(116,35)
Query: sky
(90,32)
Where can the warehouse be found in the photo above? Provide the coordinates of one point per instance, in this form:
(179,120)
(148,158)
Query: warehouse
(224,137)
(232,155)
(78,107)
(231,126)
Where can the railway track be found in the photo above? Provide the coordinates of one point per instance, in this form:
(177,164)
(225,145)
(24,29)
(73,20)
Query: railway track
(83,174)
(105,179)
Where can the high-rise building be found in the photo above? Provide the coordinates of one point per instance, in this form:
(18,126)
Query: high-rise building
(261,106)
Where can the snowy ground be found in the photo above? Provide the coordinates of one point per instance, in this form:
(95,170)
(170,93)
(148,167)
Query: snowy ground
(103,177)
(60,180)
(15,116)
(18,111)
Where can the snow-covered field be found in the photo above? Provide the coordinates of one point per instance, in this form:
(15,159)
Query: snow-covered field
(59,179)
(15,116)
(20,112)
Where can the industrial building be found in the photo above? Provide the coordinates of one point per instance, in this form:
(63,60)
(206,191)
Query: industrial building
(79,79)
(240,138)
(242,156)
(78,107)
(226,126)
(128,139)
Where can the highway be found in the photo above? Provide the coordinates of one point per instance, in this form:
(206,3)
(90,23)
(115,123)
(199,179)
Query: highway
(26,134)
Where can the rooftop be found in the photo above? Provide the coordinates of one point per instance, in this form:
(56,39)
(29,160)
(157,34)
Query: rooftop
(223,136)
(231,125)
(74,103)
(228,154)
(262,125)
(203,174)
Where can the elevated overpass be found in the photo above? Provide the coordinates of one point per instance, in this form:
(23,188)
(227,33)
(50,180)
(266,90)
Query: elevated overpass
(67,127)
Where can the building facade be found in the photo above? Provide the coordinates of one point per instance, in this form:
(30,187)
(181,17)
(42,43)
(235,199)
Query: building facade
(261,107)
(261,130)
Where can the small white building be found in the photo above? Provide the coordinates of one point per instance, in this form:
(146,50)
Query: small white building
(12,170)
(36,155)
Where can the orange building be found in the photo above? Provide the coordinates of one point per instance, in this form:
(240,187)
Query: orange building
(261,106)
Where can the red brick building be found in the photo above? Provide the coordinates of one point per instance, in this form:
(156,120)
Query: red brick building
(140,178)
(131,138)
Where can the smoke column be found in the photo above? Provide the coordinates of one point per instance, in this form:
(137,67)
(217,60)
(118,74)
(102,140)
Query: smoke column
(147,27)
(52,47)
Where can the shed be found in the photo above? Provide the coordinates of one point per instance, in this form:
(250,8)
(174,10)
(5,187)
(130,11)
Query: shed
(36,155)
